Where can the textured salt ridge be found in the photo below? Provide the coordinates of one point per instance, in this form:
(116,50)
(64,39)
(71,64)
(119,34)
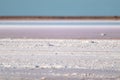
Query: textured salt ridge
(57,74)
(49,45)
(49,59)
(83,54)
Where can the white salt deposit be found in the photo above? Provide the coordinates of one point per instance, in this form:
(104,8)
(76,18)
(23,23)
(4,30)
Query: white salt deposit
(51,58)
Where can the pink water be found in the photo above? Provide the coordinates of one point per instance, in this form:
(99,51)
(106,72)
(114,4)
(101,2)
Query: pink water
(64,33)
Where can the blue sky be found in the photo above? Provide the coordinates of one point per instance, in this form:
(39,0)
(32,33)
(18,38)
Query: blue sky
(59,7)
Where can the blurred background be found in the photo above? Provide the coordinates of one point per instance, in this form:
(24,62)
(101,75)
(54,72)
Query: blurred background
(59,7)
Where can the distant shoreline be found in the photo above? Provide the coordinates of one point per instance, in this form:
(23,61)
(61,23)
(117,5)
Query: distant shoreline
(59,17)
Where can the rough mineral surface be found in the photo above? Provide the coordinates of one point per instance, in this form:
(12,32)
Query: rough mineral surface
(59,59)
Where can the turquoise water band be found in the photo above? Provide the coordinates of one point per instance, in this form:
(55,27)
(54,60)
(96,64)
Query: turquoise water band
(59,7)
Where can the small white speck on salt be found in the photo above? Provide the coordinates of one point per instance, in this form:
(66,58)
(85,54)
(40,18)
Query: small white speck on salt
(74,74)
(103,34)
(66,75)
(43,78)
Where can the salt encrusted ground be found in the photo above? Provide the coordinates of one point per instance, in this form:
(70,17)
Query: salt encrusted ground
(59,59)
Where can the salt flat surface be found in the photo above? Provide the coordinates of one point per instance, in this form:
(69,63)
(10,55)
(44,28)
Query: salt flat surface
(59,59)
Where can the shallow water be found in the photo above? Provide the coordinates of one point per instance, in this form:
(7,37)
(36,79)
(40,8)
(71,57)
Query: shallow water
(64,33)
